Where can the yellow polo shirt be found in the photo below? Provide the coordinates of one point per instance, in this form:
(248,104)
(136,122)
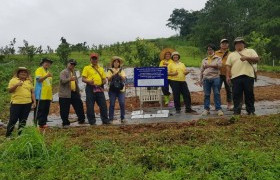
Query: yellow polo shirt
(22,94)
(223,69)
(73,84)
(166,61)
(238,67)
(90,74)
(122,73)
(43,90)
(180,68)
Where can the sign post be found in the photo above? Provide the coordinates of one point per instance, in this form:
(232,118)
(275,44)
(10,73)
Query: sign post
(150,77)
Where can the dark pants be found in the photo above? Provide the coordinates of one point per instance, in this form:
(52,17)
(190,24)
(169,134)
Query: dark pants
(64,104)
(165,89)
(223,79)
(18,112)
(42,112)
(121,98)
(181,87)
(99,98)
(243,84)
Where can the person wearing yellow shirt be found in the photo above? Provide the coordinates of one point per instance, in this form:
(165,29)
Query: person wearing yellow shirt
(165,57)
(177,72)
(210,79)
(116,78)
(22,99)
(43,92)
(69,94)
(95,78)
(241,73)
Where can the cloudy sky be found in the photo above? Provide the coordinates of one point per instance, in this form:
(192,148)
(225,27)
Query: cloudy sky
(43,22)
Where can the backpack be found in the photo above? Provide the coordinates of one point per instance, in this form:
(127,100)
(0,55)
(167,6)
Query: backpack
(116,83)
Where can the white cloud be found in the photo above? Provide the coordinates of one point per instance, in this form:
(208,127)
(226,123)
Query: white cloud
(43,22)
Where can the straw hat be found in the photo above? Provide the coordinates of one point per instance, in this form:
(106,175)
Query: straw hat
(175,53)
(21,69)
(239,39)
(224,40)
(116,58)
(164,51)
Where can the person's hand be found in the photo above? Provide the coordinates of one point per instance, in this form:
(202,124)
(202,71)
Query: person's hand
(186,72)
(104,81)
(243,58)
(228,80)
(73,78)
(49,75)
(91,82)
(199,83)
(206,66)
(33,106)
(19,83)
(176,73)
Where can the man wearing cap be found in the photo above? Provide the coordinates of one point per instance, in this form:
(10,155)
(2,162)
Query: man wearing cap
(241,73)
(22,91)
(43,92)
(69,93)
(223,53)
(95,78)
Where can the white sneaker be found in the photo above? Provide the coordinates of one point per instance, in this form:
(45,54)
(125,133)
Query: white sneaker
(205,113)
(220,113)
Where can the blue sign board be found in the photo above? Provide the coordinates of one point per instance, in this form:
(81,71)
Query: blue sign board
(150,77)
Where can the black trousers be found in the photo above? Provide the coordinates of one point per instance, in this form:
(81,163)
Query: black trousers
(223,79)
(243,84)
(18,112)
(64,104)
(181,87)
(165,89)
(42,112)
(99,98)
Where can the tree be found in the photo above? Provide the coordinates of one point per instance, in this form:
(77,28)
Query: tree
(29,50)
(49,50)
(230,19)
(147,53)
(63,51)
(182,20)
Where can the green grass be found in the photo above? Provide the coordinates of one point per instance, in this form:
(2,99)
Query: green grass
(269,68)
(208,149)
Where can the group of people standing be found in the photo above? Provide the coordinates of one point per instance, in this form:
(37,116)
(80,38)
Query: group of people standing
(233,69)
(26,96)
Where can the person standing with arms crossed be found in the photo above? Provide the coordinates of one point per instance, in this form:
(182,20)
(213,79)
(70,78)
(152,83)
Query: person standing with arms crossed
(241,73)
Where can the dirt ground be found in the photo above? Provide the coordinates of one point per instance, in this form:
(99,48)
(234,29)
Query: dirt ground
(269,93)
